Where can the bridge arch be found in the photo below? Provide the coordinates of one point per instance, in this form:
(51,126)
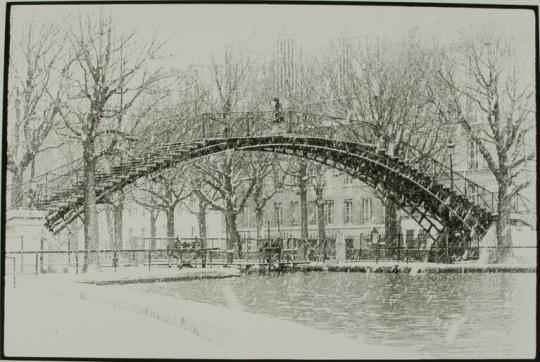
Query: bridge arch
(434,206)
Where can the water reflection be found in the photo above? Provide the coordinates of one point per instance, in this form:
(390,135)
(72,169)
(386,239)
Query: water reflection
(436,315)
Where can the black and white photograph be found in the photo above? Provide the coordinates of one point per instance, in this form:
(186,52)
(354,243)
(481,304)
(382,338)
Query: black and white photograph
(269,180)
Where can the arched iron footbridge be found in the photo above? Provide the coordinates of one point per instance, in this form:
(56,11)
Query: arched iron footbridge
(432,194)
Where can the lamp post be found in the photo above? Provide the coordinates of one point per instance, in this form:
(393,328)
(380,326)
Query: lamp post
(451,146)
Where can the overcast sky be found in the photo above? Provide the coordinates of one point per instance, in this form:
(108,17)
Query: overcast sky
(196,31)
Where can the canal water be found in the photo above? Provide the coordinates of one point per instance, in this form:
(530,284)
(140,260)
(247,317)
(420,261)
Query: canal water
(473,315)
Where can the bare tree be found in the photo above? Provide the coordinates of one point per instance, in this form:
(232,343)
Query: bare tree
(382,88)
(297,178)
(295,79)
(226,175)
(268,181)
(111,71)
(196,205)
(165,193)
(36,65)
(114,213)
(487,89)
(318,182)
(227,178)
(151,203)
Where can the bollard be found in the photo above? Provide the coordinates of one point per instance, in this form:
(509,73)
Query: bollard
(149,259)
(76,262)
(37,263)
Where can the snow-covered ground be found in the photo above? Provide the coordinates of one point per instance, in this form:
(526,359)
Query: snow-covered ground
(47,325)
(142,274)
(57,317)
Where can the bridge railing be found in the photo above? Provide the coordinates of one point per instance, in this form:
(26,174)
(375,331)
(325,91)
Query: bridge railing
(258,123)
(54,184)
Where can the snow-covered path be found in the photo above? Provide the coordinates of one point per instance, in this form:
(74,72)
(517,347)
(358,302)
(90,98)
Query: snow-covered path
(54,316)
(48,325)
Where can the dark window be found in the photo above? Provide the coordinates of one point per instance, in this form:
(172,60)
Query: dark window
(294,212)
(278,212)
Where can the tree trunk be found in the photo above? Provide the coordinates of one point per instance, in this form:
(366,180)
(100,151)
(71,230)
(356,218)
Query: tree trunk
(90,214)
(17,194)
(302,190)
(319,189)
(392,225)
(118,211)
(504,236)
(110,226)
(259,220)
(32,196)
(201,220)
(153,220)
(320,213)
(170,222)
(233,239)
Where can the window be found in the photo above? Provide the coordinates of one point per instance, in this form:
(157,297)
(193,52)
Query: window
(265,217)
(278,212)
(291,180)
(472,192)
(247,216)
(294,212)
(347,212)
(475,159)
(328,212)
(409,238)
(347,179)
(367,209)
(312,213)
(349,249)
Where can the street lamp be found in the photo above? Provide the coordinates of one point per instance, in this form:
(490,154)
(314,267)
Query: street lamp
(451,146)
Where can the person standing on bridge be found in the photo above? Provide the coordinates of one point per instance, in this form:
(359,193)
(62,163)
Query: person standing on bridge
(277,127)
(278,114)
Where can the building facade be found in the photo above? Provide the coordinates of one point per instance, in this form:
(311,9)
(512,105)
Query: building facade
(350,207)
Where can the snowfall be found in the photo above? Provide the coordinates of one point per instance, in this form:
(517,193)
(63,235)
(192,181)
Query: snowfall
(73,316)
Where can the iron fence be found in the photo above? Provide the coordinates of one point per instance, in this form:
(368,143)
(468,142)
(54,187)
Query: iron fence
(253,251)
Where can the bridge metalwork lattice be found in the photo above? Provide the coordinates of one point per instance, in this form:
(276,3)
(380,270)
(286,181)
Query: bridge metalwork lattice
(438,198)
